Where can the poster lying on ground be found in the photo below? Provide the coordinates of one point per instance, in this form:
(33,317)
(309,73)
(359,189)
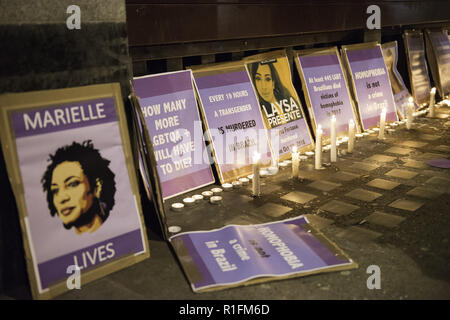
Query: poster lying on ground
(280,105)
(438,54)
(171,114)
(239,255)
(69,160)
(401,93)
(417,66)
(232,118)
(326,90)
(370,82)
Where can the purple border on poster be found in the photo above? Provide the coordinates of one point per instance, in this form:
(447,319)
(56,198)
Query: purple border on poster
(272,249)
(60,118)
(220,80)
(55,270)
(173,123)
(372,85)
(327,91)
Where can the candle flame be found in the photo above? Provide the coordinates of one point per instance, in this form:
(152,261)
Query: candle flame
(294,149)
(333,118)
(433,90)
(410,100)
(256,157)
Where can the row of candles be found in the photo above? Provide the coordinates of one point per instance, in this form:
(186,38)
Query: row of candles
(214,195)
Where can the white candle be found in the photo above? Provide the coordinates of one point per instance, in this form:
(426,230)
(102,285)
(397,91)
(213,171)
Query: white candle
(177,206)
(227,186)
(244,181)
(382,123)
(256,184)
(189,201)
(263,173)
(295,162)
(333,156)
(283,164)
(432,102)
(174,229)
(272,170)
(318,164)
(207,194)
(216,191)
(351,136)
(409,113)
(215,199)
(309,153)
(197,197)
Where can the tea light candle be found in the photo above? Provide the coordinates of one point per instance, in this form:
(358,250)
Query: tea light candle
(207,194)
(375,130)
(394,124)
(283,164)
(272,170)
(263,173)
(256,183)
(197,197)
(295,162)
(288,162)
(303,158)
(250,177)
(227,187)
(365,134)
(432,103)
(189,201)
(309,153)
(382,123)
(359,135)
(215,199)
(174,229)
(351,136)
(216,191)
(370,131)
(318,160)
(333,156)
(177,206)
(244,181)
(236,184)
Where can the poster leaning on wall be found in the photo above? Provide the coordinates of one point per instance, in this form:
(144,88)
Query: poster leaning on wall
(69,160)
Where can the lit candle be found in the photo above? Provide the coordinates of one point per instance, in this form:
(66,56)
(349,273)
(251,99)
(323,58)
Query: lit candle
(318,147)
(351,136)
(236,184)
(283,164)
(263,173)
(215,199)
(216,191)
(177,206)
(197,197)
(295,162)
(244,181)
(174,229)
(309,153)
(207,194)
(359,135)
(189,201)
(432,102)
(227,186)
(333,155)
(382,123)
(272,170)
(409,113)
(256,183)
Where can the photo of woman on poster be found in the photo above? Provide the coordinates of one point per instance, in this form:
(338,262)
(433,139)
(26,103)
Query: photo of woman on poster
(389,58)
(80,187)
(274,98)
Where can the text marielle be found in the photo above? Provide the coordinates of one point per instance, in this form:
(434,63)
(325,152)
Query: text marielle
(60,116)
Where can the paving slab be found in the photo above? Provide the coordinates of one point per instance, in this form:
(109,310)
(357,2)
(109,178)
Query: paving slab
(299,197)
(424,192)
(439,181)
(380,158)
(442,148)
(363,195)
(400,173)
(383,184)
(339,207)
(429,137)
(398,150)
(358,234)
(408,205)
(414,164)
(385,219)
(364,166)
(345,176)
(324,185)
(318,222)
(414,144)
(431,155)
(273,210)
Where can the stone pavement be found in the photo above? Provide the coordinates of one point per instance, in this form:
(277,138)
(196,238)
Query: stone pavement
(382,204)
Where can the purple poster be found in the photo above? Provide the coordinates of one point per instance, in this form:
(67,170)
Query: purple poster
(279,102)
(372,86)
(401,93)
(233,120)
(420,81)
(171,114)
(235,254)
(78,194)
(327,91)
(441,47)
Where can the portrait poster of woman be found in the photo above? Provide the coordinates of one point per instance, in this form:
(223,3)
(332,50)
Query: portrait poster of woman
(69,153)
(280,105)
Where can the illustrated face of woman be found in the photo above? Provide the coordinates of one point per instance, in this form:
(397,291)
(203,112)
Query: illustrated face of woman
(264,83)
(71,192)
